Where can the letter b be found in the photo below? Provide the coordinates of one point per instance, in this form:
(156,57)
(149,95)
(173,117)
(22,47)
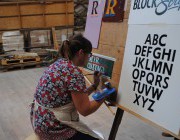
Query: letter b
(155,39)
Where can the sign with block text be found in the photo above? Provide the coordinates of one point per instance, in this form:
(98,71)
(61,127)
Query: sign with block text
(149,83)
(114,11)
(101,63)
(155,12)
(93,22)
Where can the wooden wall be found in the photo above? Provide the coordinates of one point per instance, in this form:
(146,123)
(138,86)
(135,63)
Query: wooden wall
(112,43)
(20,15)
(0,37)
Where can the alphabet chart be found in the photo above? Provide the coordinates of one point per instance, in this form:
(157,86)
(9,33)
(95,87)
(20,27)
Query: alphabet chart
(149,84)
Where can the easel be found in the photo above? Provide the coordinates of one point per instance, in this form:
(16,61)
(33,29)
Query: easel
(116,123)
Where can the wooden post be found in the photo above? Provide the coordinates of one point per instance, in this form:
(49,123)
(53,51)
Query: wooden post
(1,37)
(19,12)
(55,42)
(67,18)
(116,123)
(43,5)
(1,44)
(51,38)
(27,40)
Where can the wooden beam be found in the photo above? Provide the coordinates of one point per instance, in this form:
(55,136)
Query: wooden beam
(36,15)
(43,28)
(44,10)
(19,12)
(34,2)
(67,19)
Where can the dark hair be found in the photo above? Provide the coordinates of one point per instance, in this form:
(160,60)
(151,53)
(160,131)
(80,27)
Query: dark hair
(64,50)
(76,43)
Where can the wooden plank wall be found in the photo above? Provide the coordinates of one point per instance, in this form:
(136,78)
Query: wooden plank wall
(1,37)
(36,15)
(112,43)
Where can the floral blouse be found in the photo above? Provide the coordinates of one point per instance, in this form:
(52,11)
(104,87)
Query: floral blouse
(54,90)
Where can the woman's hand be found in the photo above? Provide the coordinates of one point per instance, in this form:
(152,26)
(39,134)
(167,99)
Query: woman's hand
(97,75)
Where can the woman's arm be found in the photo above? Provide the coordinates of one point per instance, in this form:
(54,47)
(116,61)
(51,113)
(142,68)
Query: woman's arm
(94,86)
(91,88)
(83,105)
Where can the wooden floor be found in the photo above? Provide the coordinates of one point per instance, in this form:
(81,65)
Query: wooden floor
(16,93)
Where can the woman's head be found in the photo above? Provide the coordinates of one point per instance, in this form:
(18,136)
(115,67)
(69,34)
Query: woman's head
(78,47)
(77,43)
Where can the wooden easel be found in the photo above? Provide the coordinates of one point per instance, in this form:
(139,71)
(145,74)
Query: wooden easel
(116,123)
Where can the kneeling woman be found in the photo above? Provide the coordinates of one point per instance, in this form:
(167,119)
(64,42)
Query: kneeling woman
(62,92)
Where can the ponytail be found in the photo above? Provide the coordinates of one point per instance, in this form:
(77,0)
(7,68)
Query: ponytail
(69,48)
(64,49)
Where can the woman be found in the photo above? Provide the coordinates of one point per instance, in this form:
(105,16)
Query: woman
(61,92)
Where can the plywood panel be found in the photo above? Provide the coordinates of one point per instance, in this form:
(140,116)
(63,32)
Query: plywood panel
(71,7)
(36,21)
(121,33)
(115,80)
(56,8)
(114,33)
(126,13)
(71,19)
(31,9)
(9,23)
(40,15)
(8,10)
(105,49)
(59,20)
(107,35)
(32,22)
(59,7)
(118,53)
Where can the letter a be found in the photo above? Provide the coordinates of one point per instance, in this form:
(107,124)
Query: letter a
(148,39)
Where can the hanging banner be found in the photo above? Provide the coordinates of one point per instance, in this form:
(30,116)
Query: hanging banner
(149,83)
(155,12)
(93,22)
(114,11)
(101,63)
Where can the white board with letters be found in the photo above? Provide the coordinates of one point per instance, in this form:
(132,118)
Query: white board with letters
(150,78)
(155,12)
